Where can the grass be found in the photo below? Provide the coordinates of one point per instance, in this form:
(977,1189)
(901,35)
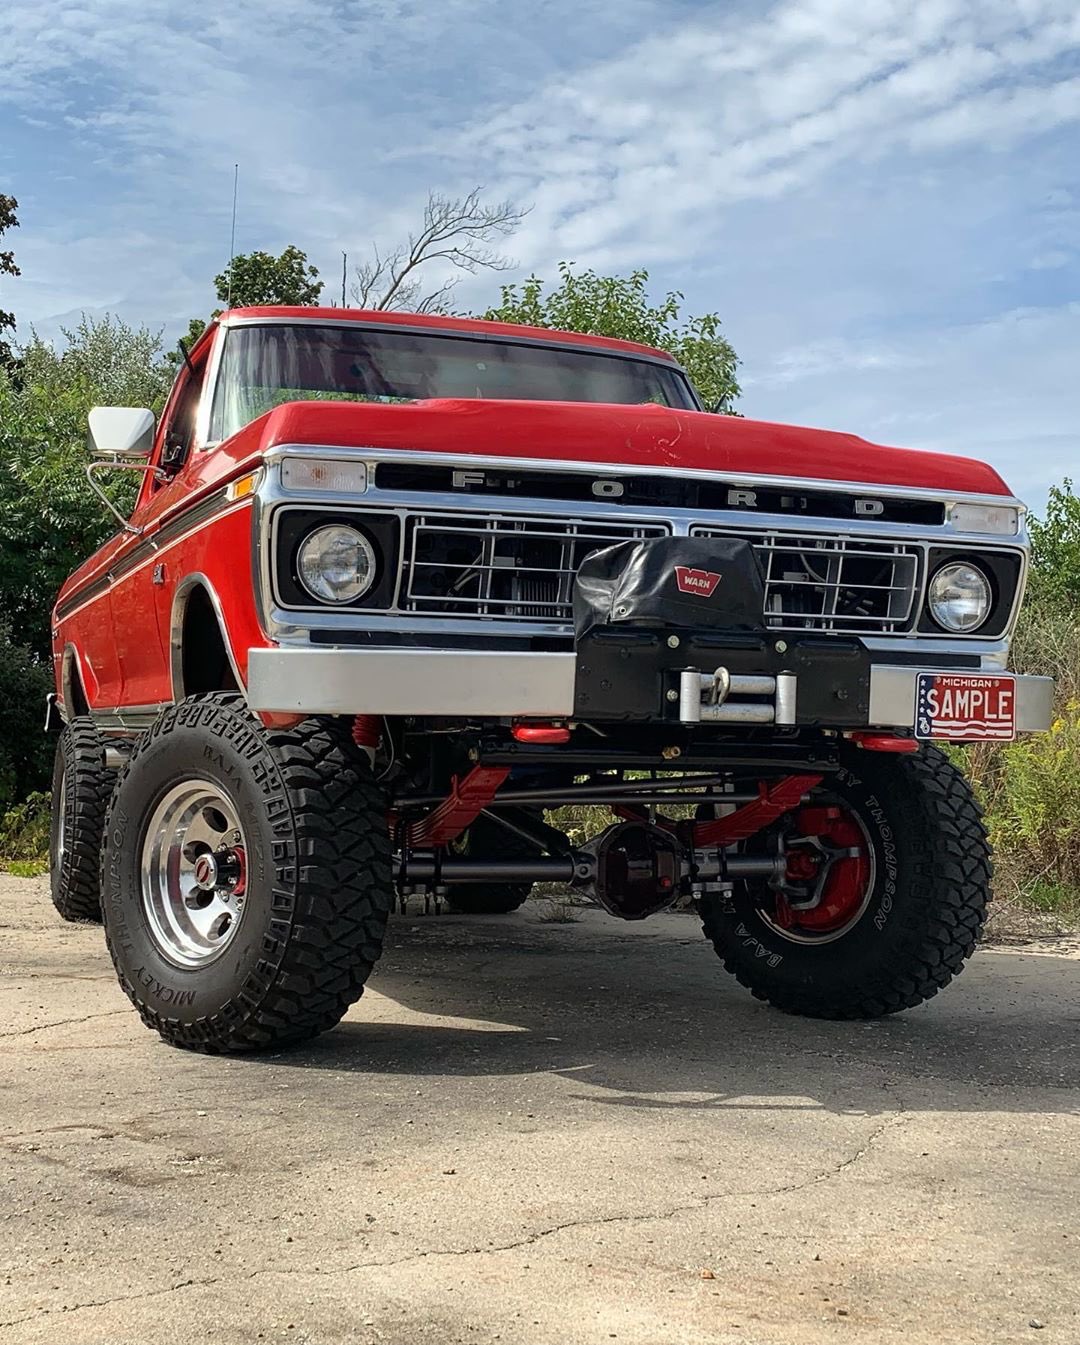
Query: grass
(24,837)
(27,868)
(557,911)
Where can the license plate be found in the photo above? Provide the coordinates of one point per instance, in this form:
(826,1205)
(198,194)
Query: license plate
(965,707)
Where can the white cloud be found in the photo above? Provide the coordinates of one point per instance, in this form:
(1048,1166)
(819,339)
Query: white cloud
(686,123)
(1004,390)
(869,191)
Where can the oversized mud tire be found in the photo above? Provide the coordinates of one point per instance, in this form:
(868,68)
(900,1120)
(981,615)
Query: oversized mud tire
(246,878)
(488,840)
(81,786)
(921,912)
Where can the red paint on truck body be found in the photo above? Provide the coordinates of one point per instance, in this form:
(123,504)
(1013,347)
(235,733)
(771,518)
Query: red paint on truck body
(625,436)
(113,613)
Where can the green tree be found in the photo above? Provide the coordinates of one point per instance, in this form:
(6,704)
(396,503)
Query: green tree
(619,306)
(50,521)
(25,681)
(257,278)
(8,220)
(173,358)
(1055,547)
(260,278)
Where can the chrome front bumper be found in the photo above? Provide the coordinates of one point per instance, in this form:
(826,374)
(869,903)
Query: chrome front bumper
(481,682)
(497,683)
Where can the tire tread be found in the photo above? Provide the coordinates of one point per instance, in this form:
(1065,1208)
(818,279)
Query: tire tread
(75,885)
(946,900)
(333,911)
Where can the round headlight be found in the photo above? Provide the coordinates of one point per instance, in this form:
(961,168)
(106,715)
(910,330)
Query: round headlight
(336,564)
(959,597)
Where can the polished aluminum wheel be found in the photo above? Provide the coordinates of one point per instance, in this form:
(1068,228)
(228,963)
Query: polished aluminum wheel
(61,823)
(194,873)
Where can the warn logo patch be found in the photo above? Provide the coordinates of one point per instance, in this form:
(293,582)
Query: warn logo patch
(701,582)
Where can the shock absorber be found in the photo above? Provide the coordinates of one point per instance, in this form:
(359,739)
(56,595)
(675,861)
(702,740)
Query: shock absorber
(367,734)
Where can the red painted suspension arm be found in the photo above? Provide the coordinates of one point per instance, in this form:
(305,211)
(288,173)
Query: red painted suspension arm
(744,822)
(753,817)
(468,798)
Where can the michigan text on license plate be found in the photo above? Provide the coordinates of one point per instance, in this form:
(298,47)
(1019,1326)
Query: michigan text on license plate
(965,707)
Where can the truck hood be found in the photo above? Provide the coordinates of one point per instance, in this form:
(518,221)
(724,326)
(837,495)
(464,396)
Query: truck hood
(619,436)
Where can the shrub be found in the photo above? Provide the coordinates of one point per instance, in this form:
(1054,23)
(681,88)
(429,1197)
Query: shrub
(24,835)
(1035,814)
(1055,547)
(25,753)
(1031,788)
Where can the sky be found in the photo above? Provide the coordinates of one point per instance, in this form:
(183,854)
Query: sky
(881,198)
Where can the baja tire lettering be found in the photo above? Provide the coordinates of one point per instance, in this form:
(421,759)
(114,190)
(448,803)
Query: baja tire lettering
(313,925)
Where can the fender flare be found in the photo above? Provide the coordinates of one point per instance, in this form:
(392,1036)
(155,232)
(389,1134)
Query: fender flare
(72,675)
(181,597)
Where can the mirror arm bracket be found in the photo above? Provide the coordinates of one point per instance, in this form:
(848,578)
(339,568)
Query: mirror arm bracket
(92,467)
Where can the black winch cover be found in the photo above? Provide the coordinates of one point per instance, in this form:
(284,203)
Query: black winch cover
(706,583)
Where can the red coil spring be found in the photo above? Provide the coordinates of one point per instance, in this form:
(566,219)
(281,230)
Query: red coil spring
(367,731)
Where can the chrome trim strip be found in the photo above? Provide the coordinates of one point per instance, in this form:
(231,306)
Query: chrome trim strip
(70,670)
(289,624)
(127,719)
(89,591)
(206,398)
(892,698)
(176,526)
(481,682)
(993,654)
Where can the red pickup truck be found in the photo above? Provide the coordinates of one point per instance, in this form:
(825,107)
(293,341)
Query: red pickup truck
(397,588)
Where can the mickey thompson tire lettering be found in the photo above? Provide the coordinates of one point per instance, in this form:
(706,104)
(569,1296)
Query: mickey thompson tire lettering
(81,786)
(318,879)
(923,918)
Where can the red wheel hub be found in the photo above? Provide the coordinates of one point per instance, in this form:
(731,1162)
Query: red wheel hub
(848,874)
(240,886)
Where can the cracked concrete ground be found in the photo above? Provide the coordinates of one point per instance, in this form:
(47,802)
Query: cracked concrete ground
(540,1134)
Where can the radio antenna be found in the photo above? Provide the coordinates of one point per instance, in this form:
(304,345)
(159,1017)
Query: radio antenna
(232,236)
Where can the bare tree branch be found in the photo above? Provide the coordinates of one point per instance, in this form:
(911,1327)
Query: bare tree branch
(457,233)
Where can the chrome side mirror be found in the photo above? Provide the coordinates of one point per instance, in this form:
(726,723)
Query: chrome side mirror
(120,437)
(120,432)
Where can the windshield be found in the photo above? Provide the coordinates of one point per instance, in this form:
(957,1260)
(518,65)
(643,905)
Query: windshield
(264,366)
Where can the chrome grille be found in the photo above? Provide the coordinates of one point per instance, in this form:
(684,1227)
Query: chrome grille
(834,583)
(523,568)
(504,567)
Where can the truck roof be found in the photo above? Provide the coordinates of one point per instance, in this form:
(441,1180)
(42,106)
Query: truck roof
(438,322)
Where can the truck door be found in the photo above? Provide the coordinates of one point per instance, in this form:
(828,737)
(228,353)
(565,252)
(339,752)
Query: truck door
(145,569)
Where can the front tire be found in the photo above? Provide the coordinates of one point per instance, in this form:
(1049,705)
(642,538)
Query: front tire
(915,841)
(81,786)
(246,877)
